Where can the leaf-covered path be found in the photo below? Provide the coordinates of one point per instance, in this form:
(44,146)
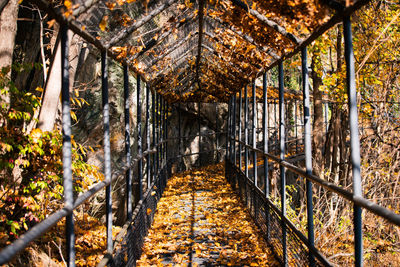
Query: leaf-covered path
(200,221)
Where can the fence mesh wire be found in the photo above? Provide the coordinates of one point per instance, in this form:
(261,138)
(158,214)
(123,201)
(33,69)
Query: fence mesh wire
(265,214)
(130,249)
(268,219)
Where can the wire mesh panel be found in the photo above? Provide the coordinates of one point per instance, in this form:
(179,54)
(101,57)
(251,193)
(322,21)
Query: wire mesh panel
(130,248)
(268,218)
(148,38)
(130,243)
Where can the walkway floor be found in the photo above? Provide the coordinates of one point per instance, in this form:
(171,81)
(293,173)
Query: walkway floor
(200,221)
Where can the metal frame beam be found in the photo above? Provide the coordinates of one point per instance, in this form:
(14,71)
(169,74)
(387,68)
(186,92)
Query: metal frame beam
(245,37)
(282,150)
(67,148)
(127,31)
(354,138)
(213,36)
(200,40)
(153,43)
(171,49)
(183,56)
(271,24)
(139,140)
(128,175)
(232,67)
(308,153)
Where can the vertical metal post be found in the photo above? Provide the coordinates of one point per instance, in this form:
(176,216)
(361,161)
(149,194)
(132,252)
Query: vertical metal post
(233,133)
(265,143)
(128,176)
(148,135)
(139,139)
(246,132)
(157,155)
(326,117)
(362,118)
(216,132)
(67,149)
(199,129)
(276,126)
(307,152)
(254,126)
(295,123)
(166,108)
(153,120)
(107,148)
(282,157)
(165,132)
(354,138)
(240,129)
(161,132)
(287,125)
(227,131)
(179,131)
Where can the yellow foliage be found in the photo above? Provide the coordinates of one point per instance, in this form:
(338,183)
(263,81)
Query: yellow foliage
(200,214)
(103,23)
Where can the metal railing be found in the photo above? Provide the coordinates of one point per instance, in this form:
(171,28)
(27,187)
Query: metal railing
(157,157)
(273,220)
(284,237)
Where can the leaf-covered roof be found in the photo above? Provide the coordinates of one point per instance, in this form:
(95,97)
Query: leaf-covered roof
(202,50)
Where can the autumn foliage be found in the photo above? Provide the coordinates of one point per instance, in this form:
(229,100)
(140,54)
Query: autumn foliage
(201,221)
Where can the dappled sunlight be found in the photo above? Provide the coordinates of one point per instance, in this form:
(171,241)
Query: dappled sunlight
(201,221)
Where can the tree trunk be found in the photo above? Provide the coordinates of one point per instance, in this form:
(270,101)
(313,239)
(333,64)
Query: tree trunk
(50,103)
(318,122)
(335,153)
(48,110)
(8,30)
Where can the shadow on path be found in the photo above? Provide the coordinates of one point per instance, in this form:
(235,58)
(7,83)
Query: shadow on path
(201,222)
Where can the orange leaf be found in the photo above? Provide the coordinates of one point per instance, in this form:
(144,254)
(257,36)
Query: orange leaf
(103,23)
(110,5)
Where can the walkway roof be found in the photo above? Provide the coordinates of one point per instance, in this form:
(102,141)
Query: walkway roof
(201,50)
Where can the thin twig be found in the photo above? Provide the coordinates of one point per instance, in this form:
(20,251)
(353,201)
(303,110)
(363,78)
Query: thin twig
(42,49)
(60,251)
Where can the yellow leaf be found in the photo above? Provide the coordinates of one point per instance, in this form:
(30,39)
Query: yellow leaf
(103,23)
(67,4)
(36,134)
(110,5)
(73,116)
(50,23)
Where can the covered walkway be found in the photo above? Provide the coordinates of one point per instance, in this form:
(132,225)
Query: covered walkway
(200,221)
(191,56)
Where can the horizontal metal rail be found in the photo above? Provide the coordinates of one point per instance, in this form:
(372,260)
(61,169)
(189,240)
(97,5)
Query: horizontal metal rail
(365,203)
(337,18)
(299,234)
(39,229)
(198,153)
(135,213)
